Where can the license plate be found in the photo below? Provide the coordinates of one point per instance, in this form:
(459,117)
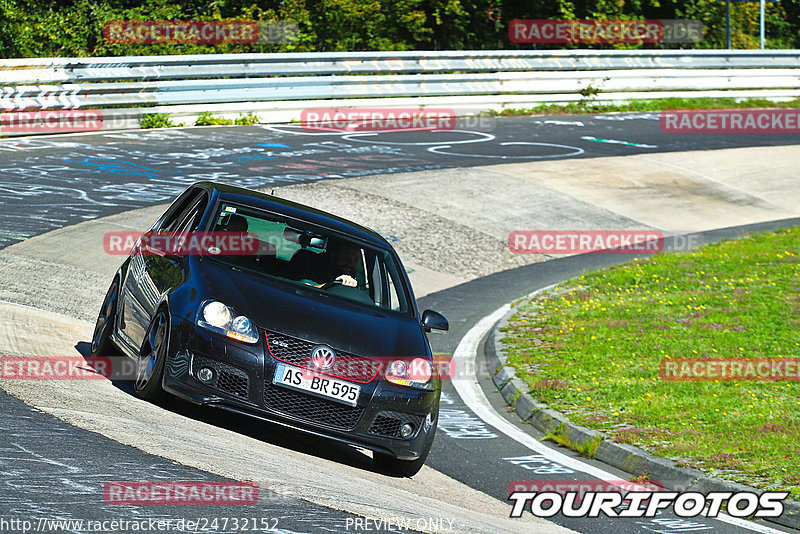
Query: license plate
(329,388)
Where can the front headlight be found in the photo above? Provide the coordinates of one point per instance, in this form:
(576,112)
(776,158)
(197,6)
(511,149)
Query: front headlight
(414,373)
(217,317)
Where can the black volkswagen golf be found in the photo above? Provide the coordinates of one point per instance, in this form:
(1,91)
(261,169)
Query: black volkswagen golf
(309,321)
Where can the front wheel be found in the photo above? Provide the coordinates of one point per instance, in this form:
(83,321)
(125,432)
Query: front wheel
(389,465)
(150,365)
(101,340)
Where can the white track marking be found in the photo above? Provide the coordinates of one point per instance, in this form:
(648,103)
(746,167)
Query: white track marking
(471,393)
(356,136)
(485,137)
(576,151)
(565,123)
(616,142)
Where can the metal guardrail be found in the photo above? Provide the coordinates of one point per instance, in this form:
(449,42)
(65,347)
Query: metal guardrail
(277,86)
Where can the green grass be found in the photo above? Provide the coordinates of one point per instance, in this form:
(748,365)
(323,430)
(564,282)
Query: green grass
(589,106)
(560,436)
(592,349)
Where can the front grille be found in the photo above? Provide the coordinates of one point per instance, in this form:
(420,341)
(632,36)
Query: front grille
(388,423)
(227,378)
(298,352)
(311,408)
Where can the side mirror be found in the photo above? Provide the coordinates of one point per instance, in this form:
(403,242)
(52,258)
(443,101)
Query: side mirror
(432,320)
(146,244)
(153,243)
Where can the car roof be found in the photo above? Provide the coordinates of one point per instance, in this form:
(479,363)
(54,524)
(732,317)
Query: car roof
(302,212)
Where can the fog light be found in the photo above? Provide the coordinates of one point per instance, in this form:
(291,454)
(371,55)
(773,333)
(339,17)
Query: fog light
(205,374)
(406,430)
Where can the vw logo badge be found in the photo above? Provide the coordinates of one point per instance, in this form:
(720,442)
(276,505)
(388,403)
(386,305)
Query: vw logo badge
(323,357)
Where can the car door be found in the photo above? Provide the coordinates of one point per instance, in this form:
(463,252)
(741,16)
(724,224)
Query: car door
(140,293)
(164,269)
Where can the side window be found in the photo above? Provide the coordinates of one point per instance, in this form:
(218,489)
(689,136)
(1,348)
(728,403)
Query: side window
(179,210)
(191,219)
(375,275)
(394,300)
(383,284)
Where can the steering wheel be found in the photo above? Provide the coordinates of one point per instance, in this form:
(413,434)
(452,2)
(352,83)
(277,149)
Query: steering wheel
(331,284)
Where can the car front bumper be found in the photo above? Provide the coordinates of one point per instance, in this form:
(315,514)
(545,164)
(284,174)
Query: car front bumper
(243,384)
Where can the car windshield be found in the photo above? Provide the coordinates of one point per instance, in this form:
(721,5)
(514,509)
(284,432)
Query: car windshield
(299,254)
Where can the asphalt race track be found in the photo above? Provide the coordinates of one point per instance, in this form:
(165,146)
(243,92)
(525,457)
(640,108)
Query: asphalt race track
(50,468)
(51,182)
(39,448)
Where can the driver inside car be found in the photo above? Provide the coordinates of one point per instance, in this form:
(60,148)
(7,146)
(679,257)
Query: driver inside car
(342,263)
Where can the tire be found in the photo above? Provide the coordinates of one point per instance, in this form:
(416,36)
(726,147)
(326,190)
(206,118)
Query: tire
(389,465)
(150,365)
(102,345)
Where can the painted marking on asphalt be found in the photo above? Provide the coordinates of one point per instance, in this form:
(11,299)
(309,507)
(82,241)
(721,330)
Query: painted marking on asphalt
(628,117)
(575,151)
(539,464)
(668,525)
(482,137)
(459,424)
(616,142)
(471,393)
(273,145)
(564,123)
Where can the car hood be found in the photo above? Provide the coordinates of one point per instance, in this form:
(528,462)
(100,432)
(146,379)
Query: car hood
(306,314)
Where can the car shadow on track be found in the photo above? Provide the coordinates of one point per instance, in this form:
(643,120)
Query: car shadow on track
(265,431)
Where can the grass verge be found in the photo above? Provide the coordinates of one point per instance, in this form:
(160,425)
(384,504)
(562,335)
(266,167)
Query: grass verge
(592,348)
(560,436)
(589,106)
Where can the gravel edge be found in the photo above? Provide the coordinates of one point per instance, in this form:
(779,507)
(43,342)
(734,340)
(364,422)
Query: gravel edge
(628,458)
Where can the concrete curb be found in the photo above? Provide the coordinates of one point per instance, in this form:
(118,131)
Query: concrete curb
(628,458)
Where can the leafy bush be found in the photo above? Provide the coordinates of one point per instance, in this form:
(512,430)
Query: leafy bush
(207,119)
(65,28)
(157,120)
(246,120)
